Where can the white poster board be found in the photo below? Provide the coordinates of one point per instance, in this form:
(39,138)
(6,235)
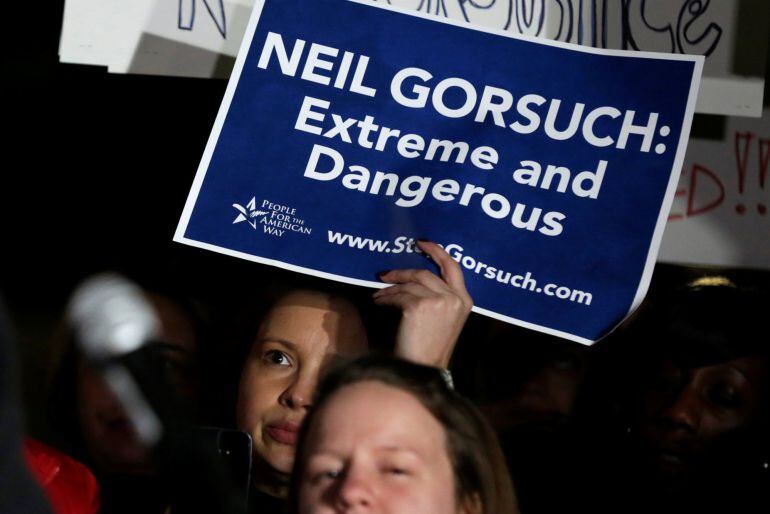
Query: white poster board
(720,213)
(200,38)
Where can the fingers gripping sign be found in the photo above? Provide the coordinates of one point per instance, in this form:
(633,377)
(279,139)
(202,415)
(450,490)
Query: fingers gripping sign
(434,308)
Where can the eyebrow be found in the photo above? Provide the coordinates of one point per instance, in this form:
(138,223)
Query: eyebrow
(400,449)
(743,373)
(170,348)
(284,342)
(330,451)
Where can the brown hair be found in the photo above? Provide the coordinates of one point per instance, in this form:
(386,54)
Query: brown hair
(481,475)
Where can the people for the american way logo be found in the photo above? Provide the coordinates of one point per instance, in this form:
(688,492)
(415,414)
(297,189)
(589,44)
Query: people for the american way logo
(275,220)
(249,214)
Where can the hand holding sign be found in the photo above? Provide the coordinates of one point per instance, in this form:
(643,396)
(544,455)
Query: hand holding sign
(434,309)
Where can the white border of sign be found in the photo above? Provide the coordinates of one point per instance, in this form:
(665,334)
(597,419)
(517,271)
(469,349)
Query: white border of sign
(659,227)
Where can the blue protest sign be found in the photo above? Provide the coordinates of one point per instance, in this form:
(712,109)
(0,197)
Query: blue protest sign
(349,129)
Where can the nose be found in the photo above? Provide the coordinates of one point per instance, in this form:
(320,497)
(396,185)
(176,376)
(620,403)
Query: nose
(684,410)
(354,491)
(299,393)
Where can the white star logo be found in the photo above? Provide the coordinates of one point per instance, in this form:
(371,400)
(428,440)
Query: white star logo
(249,213)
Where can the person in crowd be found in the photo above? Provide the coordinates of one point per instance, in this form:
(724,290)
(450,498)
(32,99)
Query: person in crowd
(90,423)
(389,436)
(21,490)
(305,331)
(694,410)
(537,385)
(530,394)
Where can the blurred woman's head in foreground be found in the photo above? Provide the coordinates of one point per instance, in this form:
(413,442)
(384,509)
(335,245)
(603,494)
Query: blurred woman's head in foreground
(390,436)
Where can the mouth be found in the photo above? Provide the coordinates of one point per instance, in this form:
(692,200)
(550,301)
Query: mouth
(120,426)
(672,459)
(283,432)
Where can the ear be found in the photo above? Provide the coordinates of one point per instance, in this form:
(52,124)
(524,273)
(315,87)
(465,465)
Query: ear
(471,504)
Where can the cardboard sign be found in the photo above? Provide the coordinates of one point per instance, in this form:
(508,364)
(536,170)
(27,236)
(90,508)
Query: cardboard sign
(731,34)
(720,213)
(200,38)
(546,169)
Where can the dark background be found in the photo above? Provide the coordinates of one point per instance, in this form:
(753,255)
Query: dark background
(97,165)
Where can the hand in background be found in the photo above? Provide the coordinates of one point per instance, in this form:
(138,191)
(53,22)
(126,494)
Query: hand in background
(434,309)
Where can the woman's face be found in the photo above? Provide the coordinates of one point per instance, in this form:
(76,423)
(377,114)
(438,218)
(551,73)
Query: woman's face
(690,414)
(375,448)
(298,339)
(108,434)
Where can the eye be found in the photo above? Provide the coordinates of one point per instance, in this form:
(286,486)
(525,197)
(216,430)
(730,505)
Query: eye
(325,475)
(178,372)
(395,469)
(276,358)
(725,396)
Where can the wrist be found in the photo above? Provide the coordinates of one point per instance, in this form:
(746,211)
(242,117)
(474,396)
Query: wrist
(447,376)
(420,357)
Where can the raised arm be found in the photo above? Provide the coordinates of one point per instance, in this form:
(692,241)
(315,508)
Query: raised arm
(434,308)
